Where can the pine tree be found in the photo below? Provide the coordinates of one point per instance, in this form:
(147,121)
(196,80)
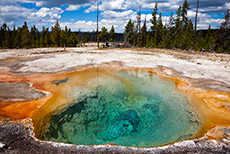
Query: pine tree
(5,36)
(13,37)
(56,34)
(226,23)
(209,39)
(8,38)
(177,29)
(188,36)
(154,19)
(184,13)
(222,43)
(73,40)
(86,37)
(25,36)
(177,22)
(65,36)
(182,30)
(1,37)
(104,34)
(37,37)
(135,34)
(47,38)
(154,25)
(112,34)
(143,34)
(129,33)
(33,37)
(3,32)
(42,37)
(168,40)
(187,27)
(149,40)
(171,19)
(169,29)
(19,38)
(201,43)
(160,32)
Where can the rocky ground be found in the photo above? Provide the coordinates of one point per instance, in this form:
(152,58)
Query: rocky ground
(17,138)
(196,65)
(205,71)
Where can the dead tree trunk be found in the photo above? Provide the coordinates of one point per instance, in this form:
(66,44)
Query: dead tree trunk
(194,36)
(97,25)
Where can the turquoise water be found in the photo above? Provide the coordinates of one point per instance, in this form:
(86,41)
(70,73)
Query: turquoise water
(129,109)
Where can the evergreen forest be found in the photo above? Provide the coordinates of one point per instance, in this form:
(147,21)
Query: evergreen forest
(177,33)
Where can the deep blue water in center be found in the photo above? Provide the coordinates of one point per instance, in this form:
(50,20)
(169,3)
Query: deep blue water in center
(140,110)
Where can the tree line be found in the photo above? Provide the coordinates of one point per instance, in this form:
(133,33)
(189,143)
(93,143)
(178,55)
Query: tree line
(22,37)
(177,33)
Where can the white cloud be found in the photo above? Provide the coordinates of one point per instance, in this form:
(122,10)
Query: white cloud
(204,20)
(119,25)
(129,14)
(164,6)
(80,25)
(12,13)
(216,8)
(15,1)
(213,21)
(39,4)
(119,21)
(92,26)
(46,15)
(227,5)
(192,14)
(59,3)
(73,7)
(113,12)
(114,5)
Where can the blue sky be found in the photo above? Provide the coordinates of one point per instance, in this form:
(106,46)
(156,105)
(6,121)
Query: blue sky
(81,14)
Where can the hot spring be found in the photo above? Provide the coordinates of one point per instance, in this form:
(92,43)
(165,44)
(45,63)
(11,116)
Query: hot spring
(128,108)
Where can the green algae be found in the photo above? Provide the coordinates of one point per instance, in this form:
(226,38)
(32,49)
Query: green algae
(128,109)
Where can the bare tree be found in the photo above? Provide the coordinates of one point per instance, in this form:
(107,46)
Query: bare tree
(97,25)
(138,26)
(194,39)
(139,20)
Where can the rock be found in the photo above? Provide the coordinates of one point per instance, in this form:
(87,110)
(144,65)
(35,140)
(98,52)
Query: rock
(18,92)
(17,138)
